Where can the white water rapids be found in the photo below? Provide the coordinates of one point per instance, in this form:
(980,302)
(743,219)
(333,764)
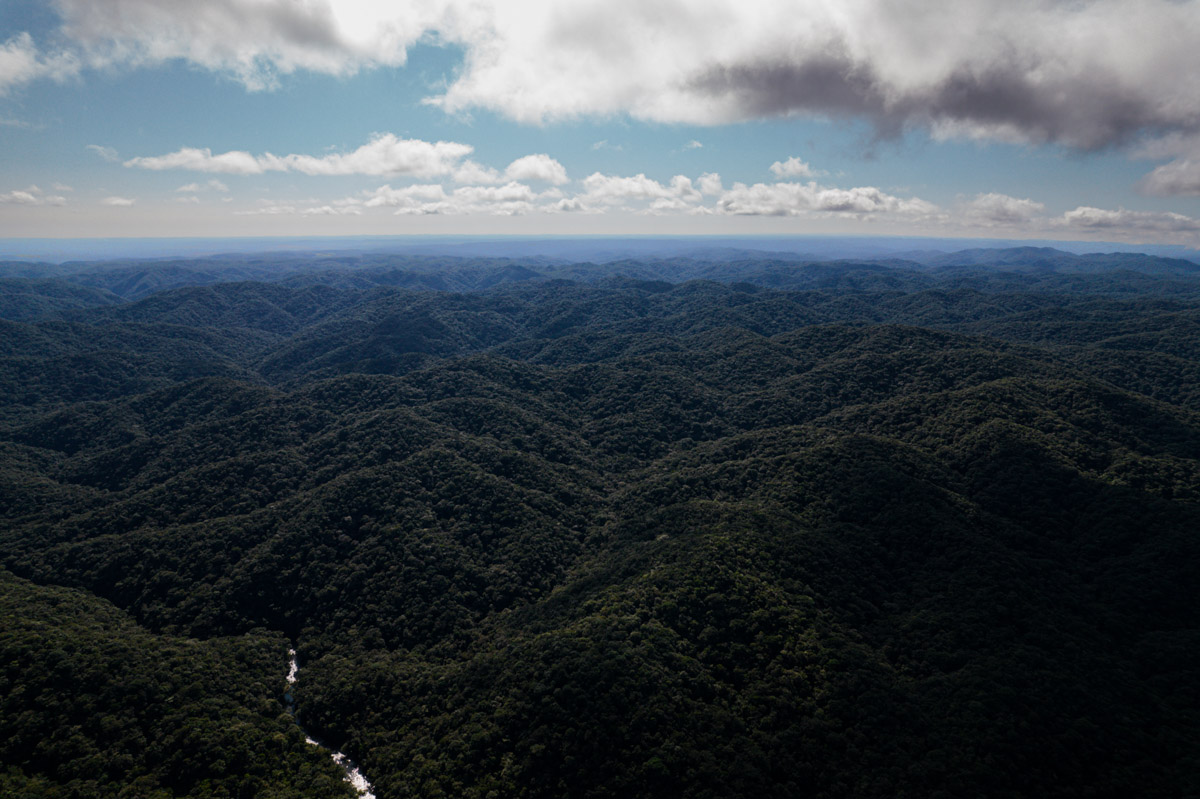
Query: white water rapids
(353,775)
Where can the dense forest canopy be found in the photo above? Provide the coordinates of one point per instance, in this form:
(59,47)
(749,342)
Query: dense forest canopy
(737,525)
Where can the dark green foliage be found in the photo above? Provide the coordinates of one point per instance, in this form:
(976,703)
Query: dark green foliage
(47,299)
(93,706)
(838,530)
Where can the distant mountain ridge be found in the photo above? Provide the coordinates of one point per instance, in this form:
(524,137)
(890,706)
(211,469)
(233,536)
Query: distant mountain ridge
(131,280)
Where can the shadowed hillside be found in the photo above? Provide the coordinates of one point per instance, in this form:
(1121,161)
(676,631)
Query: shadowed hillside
(691,528)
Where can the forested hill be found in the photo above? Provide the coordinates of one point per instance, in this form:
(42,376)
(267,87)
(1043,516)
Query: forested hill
(25,292)
(751,527)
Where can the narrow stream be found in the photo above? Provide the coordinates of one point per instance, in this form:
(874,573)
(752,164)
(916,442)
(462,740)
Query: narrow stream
(353,775)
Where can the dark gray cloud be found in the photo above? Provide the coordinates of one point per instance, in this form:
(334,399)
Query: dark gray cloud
(1004,101)
(828,83)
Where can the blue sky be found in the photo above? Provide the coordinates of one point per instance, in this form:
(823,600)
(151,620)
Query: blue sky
(1022,119)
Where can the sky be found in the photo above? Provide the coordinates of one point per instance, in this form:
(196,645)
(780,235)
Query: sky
(1047,119)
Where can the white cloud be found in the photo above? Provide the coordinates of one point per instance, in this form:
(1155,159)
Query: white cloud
(234,162)
(191,198)
(120,202)
(567,205)
(1126,222)
(792,168)
(682,195)
(613,189)
(61,187)
(978,68)
(472,172)
(537,167)
(510,199)
(21,63)
(794,199)
(1178,178)
(974,68)
(409,196)
(993,208)
(32,195)
(107,153)
(710,183)
(255,40)
(384,155)
(19,197)
(693,145)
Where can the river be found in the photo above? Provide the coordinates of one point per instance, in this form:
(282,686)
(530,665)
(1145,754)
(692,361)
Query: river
(353,775)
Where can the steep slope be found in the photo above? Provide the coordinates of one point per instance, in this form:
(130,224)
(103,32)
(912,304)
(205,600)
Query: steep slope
(96,706)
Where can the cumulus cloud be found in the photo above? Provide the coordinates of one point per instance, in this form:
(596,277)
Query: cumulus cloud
(681,194)
(792,168)
(1177,178)
(255,40)
(21,63)
(614,189)
(510,199)
(234,162)
(32,196)
(641,194)
(1122,220)
(472,172)
(1180,176)
(384,155)
(408,196)
(993,208)
(537,167)
(1084,74)
(693,145)
(710,183)
(794,199)
(120,202)
(566,205)
(977,68)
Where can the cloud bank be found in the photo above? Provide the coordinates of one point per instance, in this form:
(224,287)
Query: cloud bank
(799,191)
(1083,74)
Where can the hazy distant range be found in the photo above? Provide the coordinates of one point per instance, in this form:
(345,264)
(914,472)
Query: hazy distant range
(552,248)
